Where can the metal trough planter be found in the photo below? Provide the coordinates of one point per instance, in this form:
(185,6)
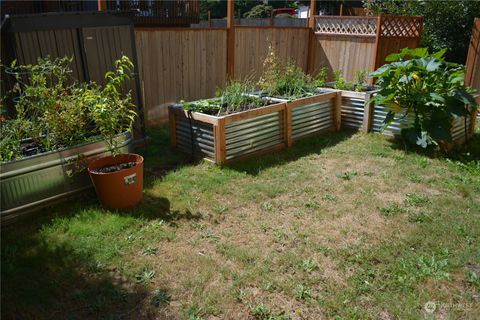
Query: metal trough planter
(36,181)
(249,133)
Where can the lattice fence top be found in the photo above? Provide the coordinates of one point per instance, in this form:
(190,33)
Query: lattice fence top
(401,27)
(365,26)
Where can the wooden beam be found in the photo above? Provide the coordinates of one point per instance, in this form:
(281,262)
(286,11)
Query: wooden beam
(102,5)
(375,62)
(313,11)
(230,41)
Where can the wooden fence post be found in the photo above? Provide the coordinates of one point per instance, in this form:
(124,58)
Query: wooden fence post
(230,41)
(368,113)
(102,5)
(473,68)
(220,142)
(311,37)
(377,44)
(337,111)
(287,113)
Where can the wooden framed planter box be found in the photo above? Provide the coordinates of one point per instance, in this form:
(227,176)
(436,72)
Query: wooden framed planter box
(240,135)
(356,112)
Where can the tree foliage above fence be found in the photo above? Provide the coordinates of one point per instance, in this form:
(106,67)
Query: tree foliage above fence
(447,24)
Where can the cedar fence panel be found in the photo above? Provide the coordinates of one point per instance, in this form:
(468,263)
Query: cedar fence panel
(252,43)
(179,64)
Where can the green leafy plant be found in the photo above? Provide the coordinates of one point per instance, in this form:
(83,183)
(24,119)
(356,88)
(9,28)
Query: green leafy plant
(340,82)
(112,111)
(54,112)
(259,11)
(236,97)
(321,78)
(284,80)
(425,85)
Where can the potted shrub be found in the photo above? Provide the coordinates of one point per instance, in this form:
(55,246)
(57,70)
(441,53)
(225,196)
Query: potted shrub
(424,98)
(118,178)
(45,148)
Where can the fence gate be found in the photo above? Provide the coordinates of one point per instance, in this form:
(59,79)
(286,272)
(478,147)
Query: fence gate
(94,40)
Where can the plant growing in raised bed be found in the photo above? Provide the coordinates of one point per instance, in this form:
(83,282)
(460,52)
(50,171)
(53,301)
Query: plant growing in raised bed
(57,130)
(236,97)
(429,89)
(285,80)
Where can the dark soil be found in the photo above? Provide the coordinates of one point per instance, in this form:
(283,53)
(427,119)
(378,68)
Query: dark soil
(115,167)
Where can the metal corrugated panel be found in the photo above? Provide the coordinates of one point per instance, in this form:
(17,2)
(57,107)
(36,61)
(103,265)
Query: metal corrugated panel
(459,130)
(35,181)
(311,118)
(395,128)
(250,135)
(352,112)
(202,137)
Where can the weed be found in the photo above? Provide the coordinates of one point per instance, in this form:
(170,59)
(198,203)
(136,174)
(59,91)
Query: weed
(312,204)
(145,276)
(419,217)
(417,200)
(308,265)
(210,235)
(329,197)
(347,175)
(392,210)
(302,292)
(150,251)
(160,297)
(266,206)
(473,278)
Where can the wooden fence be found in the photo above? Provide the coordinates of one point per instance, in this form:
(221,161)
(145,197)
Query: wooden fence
(361,43)
(185,64)
(472,77)
(182,64)
(252,43)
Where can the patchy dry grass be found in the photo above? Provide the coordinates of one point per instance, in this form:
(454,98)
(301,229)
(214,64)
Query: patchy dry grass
(345,226)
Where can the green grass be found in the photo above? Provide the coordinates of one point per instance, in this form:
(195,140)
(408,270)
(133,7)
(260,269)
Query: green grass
(340,226)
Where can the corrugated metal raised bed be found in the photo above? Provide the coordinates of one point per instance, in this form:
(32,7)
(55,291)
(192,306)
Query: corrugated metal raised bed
(461,126)
(244,134)
(36,181)
(356,112)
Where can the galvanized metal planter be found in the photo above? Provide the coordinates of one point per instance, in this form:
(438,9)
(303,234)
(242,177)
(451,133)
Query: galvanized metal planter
(356,112)
(33,182)
(461,126)
(244,134)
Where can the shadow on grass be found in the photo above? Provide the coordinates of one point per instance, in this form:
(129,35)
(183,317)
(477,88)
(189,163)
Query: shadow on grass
(50,280)
(301,148)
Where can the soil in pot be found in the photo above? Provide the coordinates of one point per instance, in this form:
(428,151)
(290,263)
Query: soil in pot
(115,167)
(118,180)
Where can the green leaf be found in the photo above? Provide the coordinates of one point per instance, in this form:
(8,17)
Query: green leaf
(439,54)
(465,97)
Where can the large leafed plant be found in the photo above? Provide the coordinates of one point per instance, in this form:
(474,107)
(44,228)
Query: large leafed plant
(429,88)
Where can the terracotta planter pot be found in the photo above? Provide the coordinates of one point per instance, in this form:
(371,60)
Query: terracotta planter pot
(122,189)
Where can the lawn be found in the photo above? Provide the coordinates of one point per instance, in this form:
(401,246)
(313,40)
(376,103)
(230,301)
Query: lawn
(343,225)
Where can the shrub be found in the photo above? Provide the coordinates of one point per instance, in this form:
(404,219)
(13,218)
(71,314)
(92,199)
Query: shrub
(53,111)
(284,80)
(425,85)
(259,11)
